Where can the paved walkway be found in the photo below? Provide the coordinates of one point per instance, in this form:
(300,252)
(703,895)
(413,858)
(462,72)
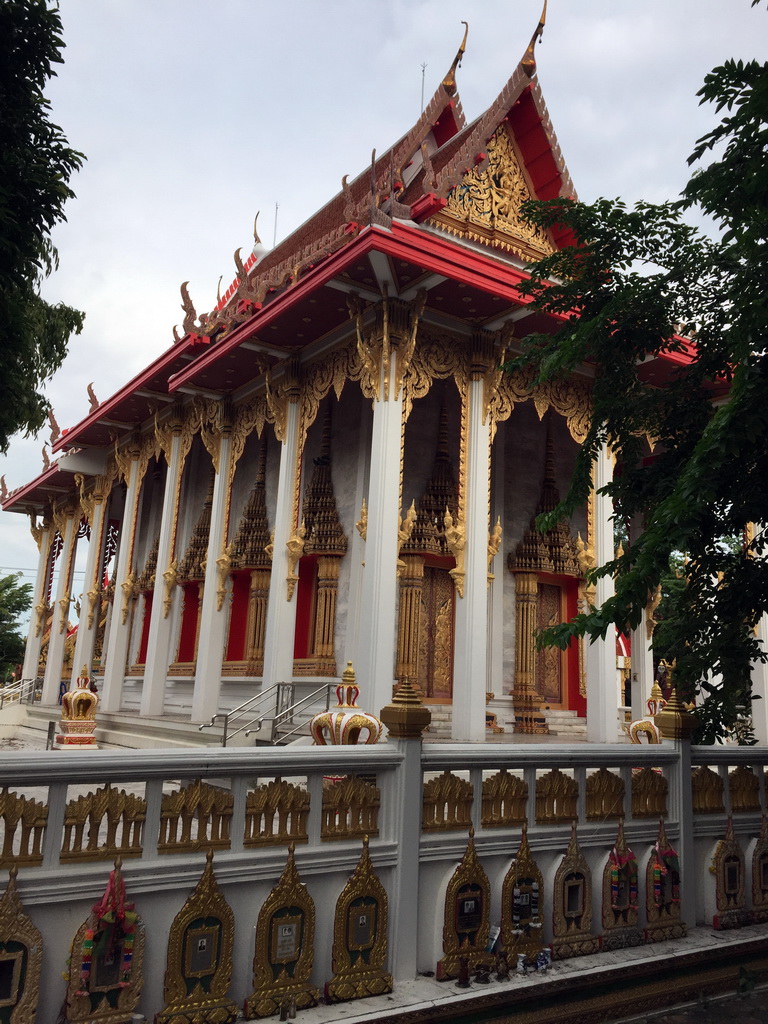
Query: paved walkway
(751,1009)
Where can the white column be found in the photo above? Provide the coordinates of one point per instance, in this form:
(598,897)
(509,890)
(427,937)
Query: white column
(602,707)
(118,635)
(214,616)
(161,622)
(642,669)
(470,658)
(86,634)
(281,613)
(498,568)
(377,637)
(760,688)
(37,622)
(55,660)
(357,552)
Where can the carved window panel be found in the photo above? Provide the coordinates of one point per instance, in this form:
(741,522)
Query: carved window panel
(447,803)
(276,813)
(605,796)
(504,800)
(522,904)
(707,789)
(649,793)
(556,798)
(760,875)
(572,905)
(350,808)
(744,790)
(22,823)
(466,921)
(103,824)
(197,816)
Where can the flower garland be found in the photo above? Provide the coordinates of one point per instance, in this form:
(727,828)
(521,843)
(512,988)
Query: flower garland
(665,862)
(114,921)
(623,869)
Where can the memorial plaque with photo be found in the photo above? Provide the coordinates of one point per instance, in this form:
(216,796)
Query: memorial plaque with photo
(202,946)
(106,968)
(361,925)
(469,910)
(286,938)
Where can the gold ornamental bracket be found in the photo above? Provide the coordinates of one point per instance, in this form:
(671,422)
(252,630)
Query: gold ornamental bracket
(494,543)
(456,539)
(21,953)
(198,968)
(284,955)
(360,936)
(170,577)
(295,548)
(223,566)
(393,327)
(404,532)
(128,587)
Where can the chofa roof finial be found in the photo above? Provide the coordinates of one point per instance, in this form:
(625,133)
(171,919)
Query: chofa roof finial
(528,62)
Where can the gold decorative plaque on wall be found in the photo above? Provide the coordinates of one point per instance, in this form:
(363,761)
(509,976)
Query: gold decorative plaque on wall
(285,937)
(199,965)
(360,936)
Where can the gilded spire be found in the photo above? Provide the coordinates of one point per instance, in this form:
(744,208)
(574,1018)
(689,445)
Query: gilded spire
(321,518)
(252,537)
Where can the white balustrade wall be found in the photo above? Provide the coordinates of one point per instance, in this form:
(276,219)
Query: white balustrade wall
(414,865)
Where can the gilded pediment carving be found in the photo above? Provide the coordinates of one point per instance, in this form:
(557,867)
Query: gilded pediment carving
(485,205)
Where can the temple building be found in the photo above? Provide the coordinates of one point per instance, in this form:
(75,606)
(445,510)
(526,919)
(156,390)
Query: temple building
(332,465)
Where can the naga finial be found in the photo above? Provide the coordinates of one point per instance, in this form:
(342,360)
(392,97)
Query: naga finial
(449,82)
(528,63)
(92,399)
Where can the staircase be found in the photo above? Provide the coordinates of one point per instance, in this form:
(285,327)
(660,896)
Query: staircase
(565,724)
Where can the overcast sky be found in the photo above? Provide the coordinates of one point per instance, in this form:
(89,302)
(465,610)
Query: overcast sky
(196,114)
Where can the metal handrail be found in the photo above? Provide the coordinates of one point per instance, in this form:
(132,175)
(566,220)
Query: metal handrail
(288,713)
(17,691)
(237,713)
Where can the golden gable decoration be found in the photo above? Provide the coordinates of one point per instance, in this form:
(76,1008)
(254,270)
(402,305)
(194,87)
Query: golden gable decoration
(466,921)
(199,965)
(360,936)
(485,205)
(105,976)
(285,937)
(21,954)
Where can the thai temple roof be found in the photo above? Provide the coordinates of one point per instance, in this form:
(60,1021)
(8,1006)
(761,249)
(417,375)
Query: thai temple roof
(406,204)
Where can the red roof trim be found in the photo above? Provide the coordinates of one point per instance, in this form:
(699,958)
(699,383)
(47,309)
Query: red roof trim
(430,252)
(69,438)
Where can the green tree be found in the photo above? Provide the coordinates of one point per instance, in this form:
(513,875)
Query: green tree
(36,164)
(15,601)
(636,284)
